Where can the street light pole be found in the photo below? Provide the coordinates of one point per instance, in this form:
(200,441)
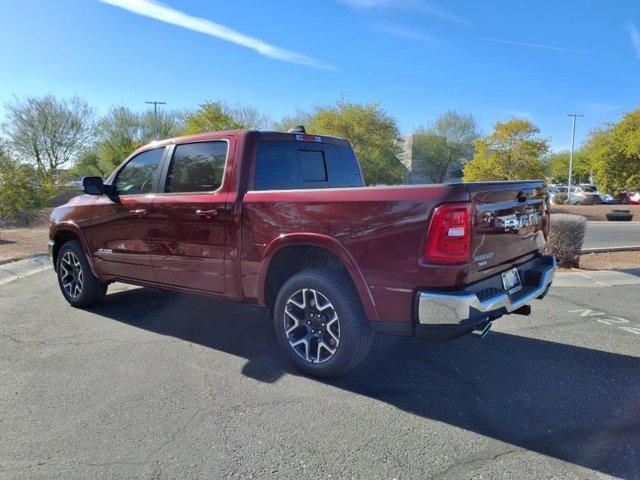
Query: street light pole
(573,142)
(155,116)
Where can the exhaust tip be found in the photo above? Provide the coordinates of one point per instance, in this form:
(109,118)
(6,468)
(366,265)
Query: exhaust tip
(482,330)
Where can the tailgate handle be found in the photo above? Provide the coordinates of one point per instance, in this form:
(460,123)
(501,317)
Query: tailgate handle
(522,196)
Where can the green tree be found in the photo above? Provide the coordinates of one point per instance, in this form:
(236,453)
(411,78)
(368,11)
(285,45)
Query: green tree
(168,123)
(558,166)
(373,134)
(444,147)
(119,133)
(299,117)
(48,131)
(250,117)
(512,152)
(23,190)
(88,164)
(615,154)
(210,117)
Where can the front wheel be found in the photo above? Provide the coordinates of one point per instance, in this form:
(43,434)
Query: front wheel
(320,323)
(77,282)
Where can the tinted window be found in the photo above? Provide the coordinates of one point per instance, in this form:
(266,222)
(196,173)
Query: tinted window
(197,167)
(282,165)
(138,176)
(312,167)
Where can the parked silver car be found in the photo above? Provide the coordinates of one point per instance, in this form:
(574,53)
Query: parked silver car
(584,195)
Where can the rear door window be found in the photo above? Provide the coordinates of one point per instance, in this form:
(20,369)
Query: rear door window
(282,165)
(196,167)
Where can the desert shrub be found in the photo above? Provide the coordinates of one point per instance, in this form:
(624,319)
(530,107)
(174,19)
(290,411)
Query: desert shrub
(23,191)
(560,199)
(566,234)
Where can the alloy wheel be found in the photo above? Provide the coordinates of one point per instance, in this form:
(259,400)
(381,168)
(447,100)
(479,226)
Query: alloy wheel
(311,325)
(71,275)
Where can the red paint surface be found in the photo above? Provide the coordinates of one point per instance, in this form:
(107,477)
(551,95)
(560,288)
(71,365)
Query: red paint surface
(378,233)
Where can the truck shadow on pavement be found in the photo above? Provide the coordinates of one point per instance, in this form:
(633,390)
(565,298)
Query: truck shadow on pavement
(576,404)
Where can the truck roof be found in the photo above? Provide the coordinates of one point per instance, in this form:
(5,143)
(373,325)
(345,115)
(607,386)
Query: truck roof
(261,134)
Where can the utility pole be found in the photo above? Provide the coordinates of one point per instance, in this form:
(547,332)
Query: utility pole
(573,142)
(155,116)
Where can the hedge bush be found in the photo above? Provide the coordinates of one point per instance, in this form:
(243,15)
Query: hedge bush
(566,234)
(23,191)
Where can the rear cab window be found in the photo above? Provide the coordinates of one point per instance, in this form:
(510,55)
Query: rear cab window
(290,165)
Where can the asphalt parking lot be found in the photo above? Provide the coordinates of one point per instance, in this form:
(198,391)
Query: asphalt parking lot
(162,385)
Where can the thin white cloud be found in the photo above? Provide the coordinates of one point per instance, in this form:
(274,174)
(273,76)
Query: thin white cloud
(407,33)
(532,45)
(634,36)
(163,13)
(419,6)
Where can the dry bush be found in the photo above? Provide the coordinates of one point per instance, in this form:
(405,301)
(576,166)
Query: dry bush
(560,199)
(566,234)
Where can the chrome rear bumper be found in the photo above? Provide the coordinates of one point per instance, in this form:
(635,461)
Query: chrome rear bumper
(468,307)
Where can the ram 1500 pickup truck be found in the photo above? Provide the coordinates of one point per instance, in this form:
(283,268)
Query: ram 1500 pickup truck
(284,221)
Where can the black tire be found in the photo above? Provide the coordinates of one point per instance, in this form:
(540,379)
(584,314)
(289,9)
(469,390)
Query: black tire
(92,290)
(355,332)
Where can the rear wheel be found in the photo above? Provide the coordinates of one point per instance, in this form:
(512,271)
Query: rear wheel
(320,323)
(77,282)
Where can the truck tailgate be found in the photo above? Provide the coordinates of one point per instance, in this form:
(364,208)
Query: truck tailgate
(509,222)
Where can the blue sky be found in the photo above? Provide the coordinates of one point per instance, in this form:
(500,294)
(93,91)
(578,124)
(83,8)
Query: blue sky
(495,59)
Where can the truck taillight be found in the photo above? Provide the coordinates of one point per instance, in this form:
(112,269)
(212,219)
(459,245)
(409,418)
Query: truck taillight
(449,235)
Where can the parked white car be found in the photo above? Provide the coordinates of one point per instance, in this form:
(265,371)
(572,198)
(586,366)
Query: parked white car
(584,195)
(555,190)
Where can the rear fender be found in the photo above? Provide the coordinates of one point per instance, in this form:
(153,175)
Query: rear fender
(329,243)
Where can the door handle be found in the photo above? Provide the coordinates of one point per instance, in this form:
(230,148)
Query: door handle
(138,212)
(207,213)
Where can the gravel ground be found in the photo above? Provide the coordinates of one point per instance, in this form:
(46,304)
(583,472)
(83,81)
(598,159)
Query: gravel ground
(18,241)
(610,260)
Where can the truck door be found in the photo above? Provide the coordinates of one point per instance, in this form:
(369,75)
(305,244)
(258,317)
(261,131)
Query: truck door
(189,217)
(120,230)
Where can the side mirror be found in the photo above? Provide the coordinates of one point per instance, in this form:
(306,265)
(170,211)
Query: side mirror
(93,186)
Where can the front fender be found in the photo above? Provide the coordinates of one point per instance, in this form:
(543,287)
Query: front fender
(329,243)
(71,227)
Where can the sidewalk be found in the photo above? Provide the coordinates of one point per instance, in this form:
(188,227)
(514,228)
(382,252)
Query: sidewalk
(22,268)
(600,278)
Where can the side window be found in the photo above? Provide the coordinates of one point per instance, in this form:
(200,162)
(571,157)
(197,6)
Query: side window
(196,167)
(138,176)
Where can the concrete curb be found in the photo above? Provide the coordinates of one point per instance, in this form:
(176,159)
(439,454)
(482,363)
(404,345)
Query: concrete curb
(600,278)
(630,248)
(23,268)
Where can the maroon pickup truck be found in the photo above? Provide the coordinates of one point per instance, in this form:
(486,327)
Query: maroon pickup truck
(284,221)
